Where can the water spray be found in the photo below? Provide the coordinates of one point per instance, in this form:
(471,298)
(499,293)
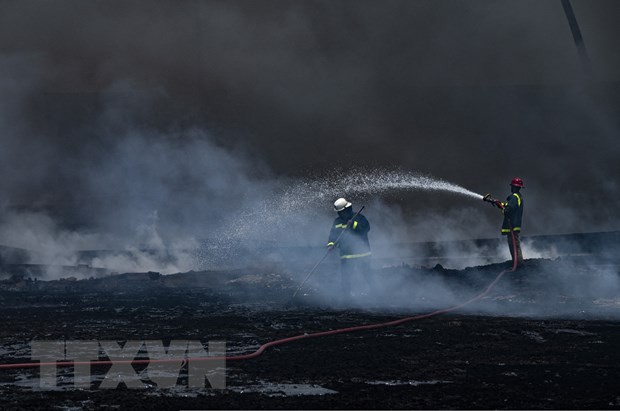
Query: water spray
(393,180)
(376,181)
(314,192)
(266,218)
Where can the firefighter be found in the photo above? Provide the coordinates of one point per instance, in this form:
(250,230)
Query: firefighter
(513,214)
(353,245)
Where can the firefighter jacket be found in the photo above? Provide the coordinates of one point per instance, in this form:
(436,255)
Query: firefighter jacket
(354,241)
(513,213)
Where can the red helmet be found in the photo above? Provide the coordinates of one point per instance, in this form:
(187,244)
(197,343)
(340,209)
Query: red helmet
(517,182)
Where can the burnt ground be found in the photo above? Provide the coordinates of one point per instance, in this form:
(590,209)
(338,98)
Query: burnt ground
(540,339)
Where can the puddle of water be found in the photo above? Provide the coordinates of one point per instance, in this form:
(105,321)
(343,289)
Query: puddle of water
(15,351)
(413,383)
(571,331)
(22,380)
(178,392)
(284,390)
(534,336)
(65,381)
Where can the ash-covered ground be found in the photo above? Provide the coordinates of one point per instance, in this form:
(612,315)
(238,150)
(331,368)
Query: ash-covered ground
(545,336)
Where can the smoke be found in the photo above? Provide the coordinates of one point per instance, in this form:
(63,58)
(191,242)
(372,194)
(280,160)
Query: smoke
(217,134)
(114,183)
(473,92)
(545,288)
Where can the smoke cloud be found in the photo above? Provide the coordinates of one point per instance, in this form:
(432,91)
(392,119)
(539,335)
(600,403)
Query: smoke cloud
(201,127)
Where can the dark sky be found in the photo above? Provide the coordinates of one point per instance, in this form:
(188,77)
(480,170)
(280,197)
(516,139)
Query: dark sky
(475,92)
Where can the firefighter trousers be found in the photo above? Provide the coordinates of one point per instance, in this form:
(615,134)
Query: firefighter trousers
(351,271)
(515,246)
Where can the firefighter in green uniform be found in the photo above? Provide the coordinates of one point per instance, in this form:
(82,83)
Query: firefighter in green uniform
(353,245)
(513,214)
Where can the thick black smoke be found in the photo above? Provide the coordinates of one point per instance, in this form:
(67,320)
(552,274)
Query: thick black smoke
(145,122)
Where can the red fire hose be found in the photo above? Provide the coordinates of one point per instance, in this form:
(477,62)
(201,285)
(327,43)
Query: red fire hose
(274,343)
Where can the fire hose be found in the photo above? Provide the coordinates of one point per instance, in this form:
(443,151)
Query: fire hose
(286,340)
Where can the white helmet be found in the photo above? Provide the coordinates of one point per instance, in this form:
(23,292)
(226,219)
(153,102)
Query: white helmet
(341,204)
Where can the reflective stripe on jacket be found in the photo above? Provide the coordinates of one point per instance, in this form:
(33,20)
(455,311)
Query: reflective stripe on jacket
(513,213)
(354,242)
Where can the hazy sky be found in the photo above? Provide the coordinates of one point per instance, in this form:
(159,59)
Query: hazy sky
(102,100)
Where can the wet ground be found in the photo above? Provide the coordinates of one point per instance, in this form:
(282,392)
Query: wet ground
(545,337)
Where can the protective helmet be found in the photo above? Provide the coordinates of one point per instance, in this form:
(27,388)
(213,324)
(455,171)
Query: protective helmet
(517,182)
(341,204)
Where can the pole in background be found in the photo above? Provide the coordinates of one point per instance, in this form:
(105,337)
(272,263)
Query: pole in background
(578,38)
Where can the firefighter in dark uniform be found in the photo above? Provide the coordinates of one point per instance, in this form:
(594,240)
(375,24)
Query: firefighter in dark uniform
(513,214)
(353,245)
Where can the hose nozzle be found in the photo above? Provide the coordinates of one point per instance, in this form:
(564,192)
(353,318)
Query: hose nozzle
(489,199)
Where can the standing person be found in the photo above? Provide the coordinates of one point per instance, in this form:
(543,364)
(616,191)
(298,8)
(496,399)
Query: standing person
(353,245)
(513,214)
